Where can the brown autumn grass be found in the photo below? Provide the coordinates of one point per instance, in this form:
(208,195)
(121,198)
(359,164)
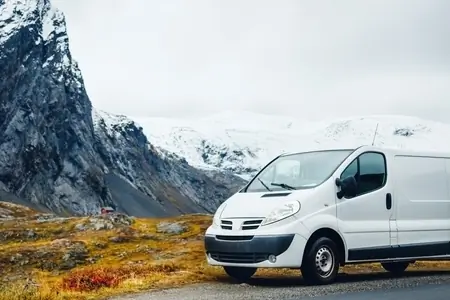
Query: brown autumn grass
(56,260)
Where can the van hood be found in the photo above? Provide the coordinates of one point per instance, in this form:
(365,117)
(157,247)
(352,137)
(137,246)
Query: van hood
(259,205)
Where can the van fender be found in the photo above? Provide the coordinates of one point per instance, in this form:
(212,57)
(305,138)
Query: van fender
(317,222)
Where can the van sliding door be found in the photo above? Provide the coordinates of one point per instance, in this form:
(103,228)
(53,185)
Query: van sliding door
(423,205)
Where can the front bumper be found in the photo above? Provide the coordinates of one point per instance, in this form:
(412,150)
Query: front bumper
(254,251)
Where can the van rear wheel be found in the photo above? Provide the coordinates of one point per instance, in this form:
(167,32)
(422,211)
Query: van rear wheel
(240,274)
(320,262)
(396,268)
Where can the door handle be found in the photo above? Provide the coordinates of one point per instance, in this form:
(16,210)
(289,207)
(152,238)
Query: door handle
(388,201)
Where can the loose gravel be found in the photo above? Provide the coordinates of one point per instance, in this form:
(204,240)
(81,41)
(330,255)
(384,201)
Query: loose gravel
(293,288)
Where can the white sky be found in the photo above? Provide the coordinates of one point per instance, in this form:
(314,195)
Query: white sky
(312,59)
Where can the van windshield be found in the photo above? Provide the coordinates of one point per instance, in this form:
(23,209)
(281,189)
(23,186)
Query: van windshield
(298,171)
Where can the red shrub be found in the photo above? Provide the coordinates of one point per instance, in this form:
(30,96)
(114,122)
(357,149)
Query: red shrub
(92,279)
(89,280)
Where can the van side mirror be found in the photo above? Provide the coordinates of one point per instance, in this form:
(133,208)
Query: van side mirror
(349,187)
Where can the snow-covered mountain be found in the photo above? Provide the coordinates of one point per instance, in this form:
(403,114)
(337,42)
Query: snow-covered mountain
(243,142)
(60,154)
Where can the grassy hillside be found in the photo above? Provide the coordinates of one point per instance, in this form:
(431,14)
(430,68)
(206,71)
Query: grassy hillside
(45,257)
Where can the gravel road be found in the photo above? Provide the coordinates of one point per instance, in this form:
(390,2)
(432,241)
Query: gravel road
(435,285)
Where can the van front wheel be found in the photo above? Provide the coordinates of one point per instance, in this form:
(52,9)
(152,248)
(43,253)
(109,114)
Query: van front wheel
(240,274)
(320,263)
(396,268)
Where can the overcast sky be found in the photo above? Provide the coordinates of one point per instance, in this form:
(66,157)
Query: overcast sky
(313,59)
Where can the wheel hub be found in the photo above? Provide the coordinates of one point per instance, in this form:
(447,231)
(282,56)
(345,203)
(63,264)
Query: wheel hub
(324,261)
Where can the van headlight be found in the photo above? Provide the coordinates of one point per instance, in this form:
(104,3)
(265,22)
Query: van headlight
(282,212)
(216,218)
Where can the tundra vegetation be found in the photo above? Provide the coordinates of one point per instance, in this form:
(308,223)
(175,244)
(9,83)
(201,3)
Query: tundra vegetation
(46,257)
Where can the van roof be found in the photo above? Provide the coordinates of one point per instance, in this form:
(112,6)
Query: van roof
(412,152)
(387,150)
(317,149)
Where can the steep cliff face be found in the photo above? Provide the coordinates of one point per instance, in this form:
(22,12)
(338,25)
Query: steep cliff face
(46,141)
(168,180)
(50,153)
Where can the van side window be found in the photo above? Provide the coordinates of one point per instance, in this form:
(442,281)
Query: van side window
(351,170)
(370,172)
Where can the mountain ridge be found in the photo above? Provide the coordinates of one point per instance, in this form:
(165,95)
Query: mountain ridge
(60,153)
(244,148)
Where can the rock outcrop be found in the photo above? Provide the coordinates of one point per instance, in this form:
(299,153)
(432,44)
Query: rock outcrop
(55,155)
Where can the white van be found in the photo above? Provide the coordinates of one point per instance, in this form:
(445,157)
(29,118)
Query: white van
(323,209)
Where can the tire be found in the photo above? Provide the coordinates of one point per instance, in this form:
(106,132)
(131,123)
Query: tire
(240,274)
(321,262)
(396,268)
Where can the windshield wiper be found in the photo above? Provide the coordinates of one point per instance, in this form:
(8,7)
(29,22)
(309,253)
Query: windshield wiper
(265,185)
(283,185)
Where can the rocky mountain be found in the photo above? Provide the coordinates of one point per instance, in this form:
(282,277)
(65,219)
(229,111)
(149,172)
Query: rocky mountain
(243,142)
(133,165)
(60,154)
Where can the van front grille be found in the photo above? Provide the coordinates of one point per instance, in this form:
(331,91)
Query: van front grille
(243,258)
(227,225)
(234,237)
(251,224)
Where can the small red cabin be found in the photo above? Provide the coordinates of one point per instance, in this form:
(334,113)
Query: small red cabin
(106,210)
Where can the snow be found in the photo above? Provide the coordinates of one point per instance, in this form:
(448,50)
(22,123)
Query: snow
(258,137)
(53,23)
(50,23)
(261,137)
(49,59)
(10,19)
(109,122)
(48,26)
(16,14)
(100,117)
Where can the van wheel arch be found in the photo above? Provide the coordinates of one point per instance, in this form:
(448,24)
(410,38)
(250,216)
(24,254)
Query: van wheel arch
(331,234)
